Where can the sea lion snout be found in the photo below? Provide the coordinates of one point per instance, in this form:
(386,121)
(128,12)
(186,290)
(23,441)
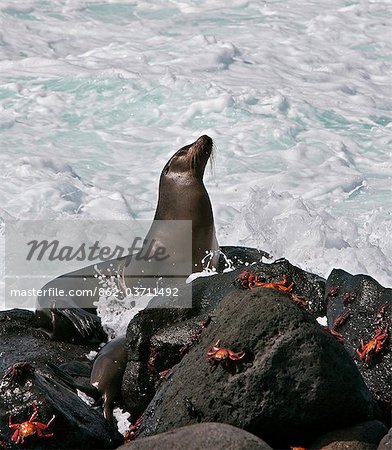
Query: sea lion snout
(199,153)
(190,160)
(204,143)
(202,148)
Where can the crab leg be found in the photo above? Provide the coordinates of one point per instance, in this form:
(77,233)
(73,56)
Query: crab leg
(35,413)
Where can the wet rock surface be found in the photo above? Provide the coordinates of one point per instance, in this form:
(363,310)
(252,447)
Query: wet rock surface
(237,257)
(365,435)
(22,341)
(206,436)
(157,339)
(363,299)
(295,381)
(76,424)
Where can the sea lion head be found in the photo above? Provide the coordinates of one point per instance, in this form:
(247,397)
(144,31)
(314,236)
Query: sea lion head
(190,160)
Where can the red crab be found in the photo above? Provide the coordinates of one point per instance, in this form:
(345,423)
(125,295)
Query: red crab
(341,319)
(375,345)
(164,374)
(217,354)
(152,359)
(19,371)
(249,280)
(300,301)
(29,428)
(334,333)
(333,291)
(380,315)
(348,298)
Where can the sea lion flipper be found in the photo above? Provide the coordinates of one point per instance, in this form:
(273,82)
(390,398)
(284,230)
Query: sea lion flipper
(71,324)
(84,322)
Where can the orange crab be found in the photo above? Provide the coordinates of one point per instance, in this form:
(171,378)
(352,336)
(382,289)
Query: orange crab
(217,354)
(29,428)
(279,285)
(375,345)
(249,280)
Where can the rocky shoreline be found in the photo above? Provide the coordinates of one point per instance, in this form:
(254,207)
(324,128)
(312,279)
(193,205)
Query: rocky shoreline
(293,384)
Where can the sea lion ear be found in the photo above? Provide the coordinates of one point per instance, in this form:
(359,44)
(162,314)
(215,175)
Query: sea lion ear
(165,170)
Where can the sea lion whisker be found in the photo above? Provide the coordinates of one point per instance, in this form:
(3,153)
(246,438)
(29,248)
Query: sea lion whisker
(212,160)
(193,158)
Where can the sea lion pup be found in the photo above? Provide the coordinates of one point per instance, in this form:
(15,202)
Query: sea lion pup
(107,373)
(182,196)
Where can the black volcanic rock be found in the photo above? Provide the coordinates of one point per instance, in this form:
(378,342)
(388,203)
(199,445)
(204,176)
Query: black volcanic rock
(363,297)
(21,341)
(306,284)
(295,382)
(237,257)
(206,436)
(207,292)
(76,424)
(167,331)
(39,381)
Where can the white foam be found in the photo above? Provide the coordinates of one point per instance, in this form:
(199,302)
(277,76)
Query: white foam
(95,96)
(123,424)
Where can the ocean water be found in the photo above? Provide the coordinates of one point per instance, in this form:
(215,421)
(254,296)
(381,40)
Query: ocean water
(96,95)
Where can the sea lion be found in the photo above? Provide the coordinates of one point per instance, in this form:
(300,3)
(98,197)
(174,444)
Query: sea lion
(107,373)
(182,196)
